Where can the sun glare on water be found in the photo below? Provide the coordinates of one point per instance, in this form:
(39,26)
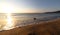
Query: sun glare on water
(9,24)
(8,9)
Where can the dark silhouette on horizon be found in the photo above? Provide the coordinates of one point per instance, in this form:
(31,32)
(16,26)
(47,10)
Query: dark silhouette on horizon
(54,12)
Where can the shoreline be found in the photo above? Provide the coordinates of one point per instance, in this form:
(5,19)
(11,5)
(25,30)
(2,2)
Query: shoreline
(49,27)
(34,23)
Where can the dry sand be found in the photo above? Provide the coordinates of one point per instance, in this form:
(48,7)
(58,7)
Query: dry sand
(45,28)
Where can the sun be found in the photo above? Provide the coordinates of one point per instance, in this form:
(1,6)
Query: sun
(7,8)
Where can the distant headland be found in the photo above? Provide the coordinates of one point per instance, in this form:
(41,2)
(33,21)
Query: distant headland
(54,12)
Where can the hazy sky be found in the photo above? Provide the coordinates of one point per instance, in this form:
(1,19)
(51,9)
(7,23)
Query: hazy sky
(29,6)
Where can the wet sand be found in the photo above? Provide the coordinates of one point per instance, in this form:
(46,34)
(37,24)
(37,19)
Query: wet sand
(44,28)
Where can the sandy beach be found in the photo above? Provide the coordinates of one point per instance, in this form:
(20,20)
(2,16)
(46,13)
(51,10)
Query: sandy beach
(44,28)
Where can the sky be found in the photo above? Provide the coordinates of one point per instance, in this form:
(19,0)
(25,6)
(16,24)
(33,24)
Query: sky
(29,6)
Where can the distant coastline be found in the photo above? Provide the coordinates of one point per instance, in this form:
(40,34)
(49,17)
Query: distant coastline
(53,12)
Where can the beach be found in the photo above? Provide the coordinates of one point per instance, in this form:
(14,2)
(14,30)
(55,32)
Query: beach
(29,17)
(51,27)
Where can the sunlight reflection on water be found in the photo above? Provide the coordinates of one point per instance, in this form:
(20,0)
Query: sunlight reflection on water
(9,22)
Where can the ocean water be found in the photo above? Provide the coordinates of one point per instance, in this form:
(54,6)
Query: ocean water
(23,19)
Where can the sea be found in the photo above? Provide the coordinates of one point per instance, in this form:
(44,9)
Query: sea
(13,20)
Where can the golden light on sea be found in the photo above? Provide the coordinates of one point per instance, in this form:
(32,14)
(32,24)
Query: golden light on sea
(8,9)
(10,23)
